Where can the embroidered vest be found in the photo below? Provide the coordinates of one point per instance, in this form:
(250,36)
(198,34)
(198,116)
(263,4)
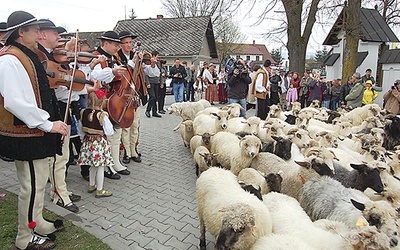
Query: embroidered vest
(260,95)
(92,121)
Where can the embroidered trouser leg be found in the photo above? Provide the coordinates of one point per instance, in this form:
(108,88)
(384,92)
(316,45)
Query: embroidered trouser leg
(33,176)
(130,136)
(57,174)
(115,141)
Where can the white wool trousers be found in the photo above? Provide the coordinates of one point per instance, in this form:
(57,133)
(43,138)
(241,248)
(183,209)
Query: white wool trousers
(115,141)
(57,174)
(33,176)
(131,135)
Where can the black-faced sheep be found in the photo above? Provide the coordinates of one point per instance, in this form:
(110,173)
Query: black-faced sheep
(392,130)
(234,153)
(203,159)
(361,177)
(200,140)
(327,198)
(268,183)
(281,147)
(233,216)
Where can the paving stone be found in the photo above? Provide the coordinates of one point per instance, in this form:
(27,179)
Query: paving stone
(158,216)
(177,244)
(122,231)
(160,236)
(140,238)
(159,225)
(180,235)
(176,223)
(173,214)
(155,245)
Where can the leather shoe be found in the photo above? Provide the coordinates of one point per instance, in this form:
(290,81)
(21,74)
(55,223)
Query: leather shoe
(161,112)
(156,115)
(74,197)
(112,176)
(126,160)
(137,159)
(147,113)
(124,172)
(70,207)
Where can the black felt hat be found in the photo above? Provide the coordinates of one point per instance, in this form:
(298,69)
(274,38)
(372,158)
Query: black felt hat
(125,34)
(17,20)
(110,36)
(49,25)
(3,27)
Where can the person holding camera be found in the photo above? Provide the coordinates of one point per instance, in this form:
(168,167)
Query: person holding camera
(392,98)
(178,74)
(238,82)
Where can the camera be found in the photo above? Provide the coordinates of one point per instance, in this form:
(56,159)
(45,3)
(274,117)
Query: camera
(162,61)
(395,85)
(231,64)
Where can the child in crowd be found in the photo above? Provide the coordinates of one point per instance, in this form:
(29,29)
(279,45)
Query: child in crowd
(96,150)
(370,94)
(291,96)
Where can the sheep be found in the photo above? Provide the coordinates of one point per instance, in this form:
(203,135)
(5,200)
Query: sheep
(272,126)
(211,123)
(233,110)
(327,139)
(239,124)
(327,156)
(281,147)
(281,242)
(300,138)
(296,107)
(267,183)
(203,159)
(327,198)
(234,153)
(289,219)
(340,128)
(392,130)
(251,189)
(361,177)
(186,110)
(358,115)
(379,135)
(395,164)
(293,176)
(367,125)
(315,104)
(234,217)
(200,140)
(186,130)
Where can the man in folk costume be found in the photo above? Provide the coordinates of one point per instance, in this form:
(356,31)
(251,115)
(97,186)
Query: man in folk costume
(130,136)
(210,78)
(30,128)
(48,41)
(261,89)
(109,72)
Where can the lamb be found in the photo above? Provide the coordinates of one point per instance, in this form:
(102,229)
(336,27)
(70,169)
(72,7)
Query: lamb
(239,124)
(358,115)
(267,183)
(327,139)
(186,130)
(281,146)
(361,177)
(273,126)
(200,140)
(300,138)
(293,176)
(234,153)
(203,159)
(327,198)
(289,219)
(234,217)
(186,110)
(211,123)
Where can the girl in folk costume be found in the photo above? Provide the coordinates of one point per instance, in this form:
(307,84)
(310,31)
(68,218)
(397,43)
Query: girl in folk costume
(291,96)
(210,78)
(222,93)
(96,150)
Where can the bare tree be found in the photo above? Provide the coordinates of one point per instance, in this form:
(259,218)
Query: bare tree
(389,9)
(352,30)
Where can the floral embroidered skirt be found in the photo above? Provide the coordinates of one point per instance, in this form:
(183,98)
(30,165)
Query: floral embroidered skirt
(95,151)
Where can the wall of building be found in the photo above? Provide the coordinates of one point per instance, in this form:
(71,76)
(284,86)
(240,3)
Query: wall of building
(391,73)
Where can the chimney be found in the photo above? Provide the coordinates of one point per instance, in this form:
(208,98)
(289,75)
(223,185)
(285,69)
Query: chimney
(160,16)
(254,42)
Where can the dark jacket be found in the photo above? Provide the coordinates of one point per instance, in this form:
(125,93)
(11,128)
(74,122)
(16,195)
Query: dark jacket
(345,90)
(317,89)
(238,86)
(274,81)
(181,71)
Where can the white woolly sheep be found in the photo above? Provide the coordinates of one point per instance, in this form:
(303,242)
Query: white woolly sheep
(379,135)
(268,183)
(358,115)
(300,138)
(233,216)
(233,110)
(211,123)
(327,139)
(200,140)
(186,110)
(250,126)
(289,219)
(186,130)
(367,125)
(203,159)
(327,198)
(234,153)
(281,242)
(293,176)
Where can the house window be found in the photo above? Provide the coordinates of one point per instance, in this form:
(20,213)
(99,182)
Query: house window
(257,58)
(247,58)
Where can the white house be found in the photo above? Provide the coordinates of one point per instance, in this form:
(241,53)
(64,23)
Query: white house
(390,61)
(374,32)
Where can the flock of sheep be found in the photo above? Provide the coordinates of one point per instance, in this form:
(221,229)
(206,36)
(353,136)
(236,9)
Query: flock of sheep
(310,178)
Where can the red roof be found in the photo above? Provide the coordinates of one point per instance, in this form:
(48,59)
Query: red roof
(254,49)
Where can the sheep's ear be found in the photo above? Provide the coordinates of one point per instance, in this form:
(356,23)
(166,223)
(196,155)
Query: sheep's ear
(292,131)
(334,156)
(358,205)
(304,164)
(276,138)
(202,155)
(359,167)
(214,114)
(214,155)
(322,133)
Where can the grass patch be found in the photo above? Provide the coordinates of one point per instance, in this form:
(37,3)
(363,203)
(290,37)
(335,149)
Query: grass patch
(72,238)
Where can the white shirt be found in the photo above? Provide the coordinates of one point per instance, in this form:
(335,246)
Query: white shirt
(259,82)
(207,74)
(19,98)
(104,75)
